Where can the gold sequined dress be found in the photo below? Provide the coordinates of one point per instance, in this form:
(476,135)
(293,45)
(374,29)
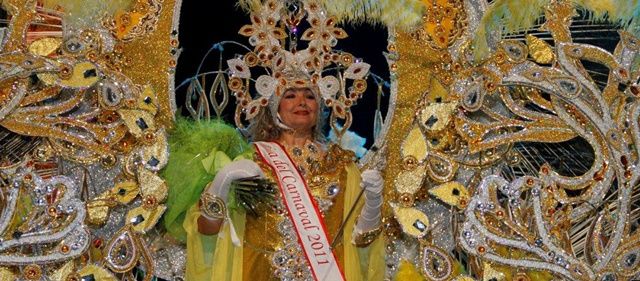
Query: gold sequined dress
(270,250)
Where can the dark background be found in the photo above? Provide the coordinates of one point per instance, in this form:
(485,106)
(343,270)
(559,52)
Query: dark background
(203,24)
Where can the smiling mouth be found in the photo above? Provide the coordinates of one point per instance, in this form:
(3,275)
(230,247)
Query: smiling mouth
(301,112)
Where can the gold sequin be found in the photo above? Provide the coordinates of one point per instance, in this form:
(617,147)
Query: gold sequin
(490,273)
(98,272)
(83,74)
(410,181)
(148,100)
(61,274)
(463,278)
(452,193)
(126,191)
(414,145)
(137,121)
(540,50)
(152,184)
(143,219)
(32,272)
(413,221)
(45,46)
(98,210)
(6,274)
(435,117)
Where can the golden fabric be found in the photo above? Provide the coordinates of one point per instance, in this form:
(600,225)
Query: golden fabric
(216,258)
(262,237)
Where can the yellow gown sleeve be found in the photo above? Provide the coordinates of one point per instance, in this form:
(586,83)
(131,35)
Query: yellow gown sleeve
(213,257)
(360,264)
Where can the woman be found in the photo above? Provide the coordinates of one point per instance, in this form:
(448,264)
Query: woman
(302,237)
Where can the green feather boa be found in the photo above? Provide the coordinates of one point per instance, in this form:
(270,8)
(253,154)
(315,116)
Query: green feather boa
(189,143)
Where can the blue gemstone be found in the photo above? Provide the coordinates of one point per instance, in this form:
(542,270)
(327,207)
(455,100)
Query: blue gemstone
(137,219)
(431,121)
(332,190)
(538,242)
(153,161)
(142,124)
(90,73)
(419,225)
(630,259)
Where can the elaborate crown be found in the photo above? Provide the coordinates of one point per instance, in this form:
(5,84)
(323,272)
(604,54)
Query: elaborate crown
(296,68)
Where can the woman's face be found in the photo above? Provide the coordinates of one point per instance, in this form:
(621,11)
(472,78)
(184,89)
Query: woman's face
(298,109)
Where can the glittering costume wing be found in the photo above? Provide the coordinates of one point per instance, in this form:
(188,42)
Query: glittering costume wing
(84,110)
(522,149)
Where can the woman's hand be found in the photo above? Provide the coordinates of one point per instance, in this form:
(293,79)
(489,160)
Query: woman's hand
(213,200)
(369,221)
(372,183)
(235,170)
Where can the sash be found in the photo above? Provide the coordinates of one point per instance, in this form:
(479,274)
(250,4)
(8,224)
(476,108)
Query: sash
(304,214)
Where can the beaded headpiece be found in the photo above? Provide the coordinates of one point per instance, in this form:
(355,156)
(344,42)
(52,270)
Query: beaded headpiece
(293,68)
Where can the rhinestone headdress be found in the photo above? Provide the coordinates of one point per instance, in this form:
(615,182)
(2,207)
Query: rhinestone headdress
(295,68)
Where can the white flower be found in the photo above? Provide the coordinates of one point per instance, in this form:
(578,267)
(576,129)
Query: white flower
(328,87)
(238,68)
(266,85)
(357,70)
